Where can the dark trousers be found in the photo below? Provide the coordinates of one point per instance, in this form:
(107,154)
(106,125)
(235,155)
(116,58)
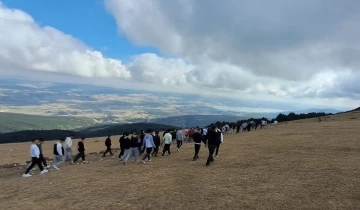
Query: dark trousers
(179,143)
(80,155)
(34,161)
(197,150)
(121,152)
(139,147)
(42,160)
(156,150)
(148,152)
(217,149)
(108,149)
(211,153)
(166,149)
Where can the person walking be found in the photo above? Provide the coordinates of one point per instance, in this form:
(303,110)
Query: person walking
(134,150)
(68,148)
(211,142)
(126,145)
(157,144)
(167,140)
(149,145)
(35,159)
(81,150)
(42,159)
(197,143)
(121,146)
(141,142)
(59,153)
(108,146)
(179,139)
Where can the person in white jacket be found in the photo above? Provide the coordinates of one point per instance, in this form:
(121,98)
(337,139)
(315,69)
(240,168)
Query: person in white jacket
(59,154)
(35,159)
(68,148)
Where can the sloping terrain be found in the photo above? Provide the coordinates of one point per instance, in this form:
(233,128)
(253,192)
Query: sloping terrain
(299,165)
(12,122)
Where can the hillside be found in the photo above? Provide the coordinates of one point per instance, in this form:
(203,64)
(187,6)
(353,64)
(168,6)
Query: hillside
(89,132)
(11,122)
(304,165)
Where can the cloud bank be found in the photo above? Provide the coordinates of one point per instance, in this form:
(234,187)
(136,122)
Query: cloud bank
(306,51)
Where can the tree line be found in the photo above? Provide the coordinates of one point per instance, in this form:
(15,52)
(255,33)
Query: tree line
(280,118)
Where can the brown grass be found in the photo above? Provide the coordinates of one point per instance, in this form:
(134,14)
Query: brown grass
(307,165)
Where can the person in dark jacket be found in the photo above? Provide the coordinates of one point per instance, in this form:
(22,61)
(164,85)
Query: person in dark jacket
(41,158)
(121,146)
(173,134)
(81,150)
(141,142)
(134,151)
(157,144)
(108,146)
(211,142)
(126,144)
(197,142)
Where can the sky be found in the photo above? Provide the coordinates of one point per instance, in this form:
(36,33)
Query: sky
(305,52)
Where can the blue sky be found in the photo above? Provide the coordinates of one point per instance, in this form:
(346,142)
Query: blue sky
(86,20)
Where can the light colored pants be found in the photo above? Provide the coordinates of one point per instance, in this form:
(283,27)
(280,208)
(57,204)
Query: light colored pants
(133,152)
(68,153)
(58,160)
(126,153)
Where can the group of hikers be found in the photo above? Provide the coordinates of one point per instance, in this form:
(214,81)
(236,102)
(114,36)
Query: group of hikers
(147,142)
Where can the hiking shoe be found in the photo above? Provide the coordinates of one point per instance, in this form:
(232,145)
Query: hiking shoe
(26,175)
(44,171)
(143,161)
(149,160)
(178,149)
(85,161)
(125,163)
(55,167)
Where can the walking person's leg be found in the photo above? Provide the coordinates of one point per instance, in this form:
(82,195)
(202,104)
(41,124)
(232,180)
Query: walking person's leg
(217,149)
(31,166)
(76,157)
(148,151)
(197,149)
(38,162)
(83,156)
(211,152)
(43,161)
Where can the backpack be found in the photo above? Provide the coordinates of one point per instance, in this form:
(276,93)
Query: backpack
(55,150)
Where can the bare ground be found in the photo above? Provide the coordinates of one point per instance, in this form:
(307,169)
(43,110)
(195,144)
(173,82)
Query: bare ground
(300,165)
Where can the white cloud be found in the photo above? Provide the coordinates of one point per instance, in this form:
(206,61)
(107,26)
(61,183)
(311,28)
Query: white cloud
(274,49)
(28,46)
(278,50)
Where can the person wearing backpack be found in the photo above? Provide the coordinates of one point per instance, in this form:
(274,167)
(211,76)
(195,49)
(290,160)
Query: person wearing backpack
(59,153)
(108,146)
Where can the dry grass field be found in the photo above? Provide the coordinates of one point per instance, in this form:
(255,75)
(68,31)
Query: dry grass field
(299,165)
